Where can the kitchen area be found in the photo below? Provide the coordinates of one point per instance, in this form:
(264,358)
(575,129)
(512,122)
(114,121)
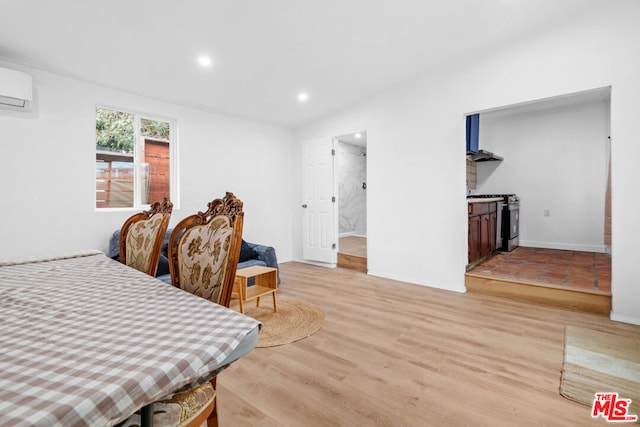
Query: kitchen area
(493,218)
(493,225)
(537,186)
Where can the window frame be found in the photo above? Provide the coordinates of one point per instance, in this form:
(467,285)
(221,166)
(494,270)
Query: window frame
(174,193)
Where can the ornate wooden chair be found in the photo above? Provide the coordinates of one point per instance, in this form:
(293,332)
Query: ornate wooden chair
(189,408)
(141,237)
(204,249)
(203,255)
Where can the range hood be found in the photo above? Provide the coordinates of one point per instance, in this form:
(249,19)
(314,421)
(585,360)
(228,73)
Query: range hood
(473,134)
(483,156)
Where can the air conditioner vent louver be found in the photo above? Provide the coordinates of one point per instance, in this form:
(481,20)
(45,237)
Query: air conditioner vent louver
(16,89)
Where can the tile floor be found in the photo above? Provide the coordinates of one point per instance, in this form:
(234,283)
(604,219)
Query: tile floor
(583,270)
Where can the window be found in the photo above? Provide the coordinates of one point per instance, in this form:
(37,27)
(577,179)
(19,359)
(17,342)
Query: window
(133,159)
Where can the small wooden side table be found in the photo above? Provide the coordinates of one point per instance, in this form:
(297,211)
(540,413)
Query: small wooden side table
(266,283)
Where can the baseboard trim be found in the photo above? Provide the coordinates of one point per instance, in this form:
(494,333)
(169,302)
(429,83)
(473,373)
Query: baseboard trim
(625,319)
(319,264)
(413,281)
(347,234)
(350,234)
(563,246)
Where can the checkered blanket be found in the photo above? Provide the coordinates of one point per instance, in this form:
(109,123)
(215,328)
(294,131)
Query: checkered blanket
(86,341)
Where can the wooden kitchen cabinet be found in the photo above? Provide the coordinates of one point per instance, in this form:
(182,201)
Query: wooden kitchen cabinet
(474,238)
(483,220)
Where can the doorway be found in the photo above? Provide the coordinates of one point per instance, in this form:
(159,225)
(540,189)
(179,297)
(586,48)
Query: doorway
(351,159)
(556,160)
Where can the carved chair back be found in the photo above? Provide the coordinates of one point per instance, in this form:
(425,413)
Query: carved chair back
(204,249)
(141,237)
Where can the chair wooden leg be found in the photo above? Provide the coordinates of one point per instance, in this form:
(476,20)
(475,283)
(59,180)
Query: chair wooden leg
(212,421)
(241,305)
(275,305)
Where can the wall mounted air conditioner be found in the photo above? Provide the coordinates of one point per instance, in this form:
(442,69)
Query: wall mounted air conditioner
(16,89)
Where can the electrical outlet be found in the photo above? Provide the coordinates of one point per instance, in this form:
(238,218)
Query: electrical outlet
(547,212)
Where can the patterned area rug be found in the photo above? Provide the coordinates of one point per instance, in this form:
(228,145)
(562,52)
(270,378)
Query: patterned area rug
(296,319)
(597,362)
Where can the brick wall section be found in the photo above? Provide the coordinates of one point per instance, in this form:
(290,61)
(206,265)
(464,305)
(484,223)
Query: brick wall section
(471,175)
(156,153)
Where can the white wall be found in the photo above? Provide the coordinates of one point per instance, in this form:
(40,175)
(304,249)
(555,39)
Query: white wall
(417,222)
(47,169)
(555,159)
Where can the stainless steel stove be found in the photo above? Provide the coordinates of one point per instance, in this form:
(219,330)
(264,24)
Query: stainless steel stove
(511,223)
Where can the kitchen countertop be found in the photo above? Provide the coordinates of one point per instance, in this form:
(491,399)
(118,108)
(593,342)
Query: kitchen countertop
(484,199)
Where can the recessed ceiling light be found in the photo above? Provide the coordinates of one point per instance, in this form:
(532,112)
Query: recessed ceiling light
(358,135)
(303,97)
(204,61)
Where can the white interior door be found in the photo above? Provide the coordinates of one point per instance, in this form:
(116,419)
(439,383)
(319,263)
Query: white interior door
(318,202)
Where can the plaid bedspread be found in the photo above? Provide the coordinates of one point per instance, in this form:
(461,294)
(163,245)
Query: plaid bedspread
(86,341)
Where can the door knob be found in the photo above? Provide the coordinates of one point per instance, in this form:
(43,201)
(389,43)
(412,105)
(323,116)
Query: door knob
(304,206)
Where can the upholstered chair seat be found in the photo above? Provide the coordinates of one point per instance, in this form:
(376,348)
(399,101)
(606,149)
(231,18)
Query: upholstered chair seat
(184,409)
(141,237)
(203,256)
(204,249)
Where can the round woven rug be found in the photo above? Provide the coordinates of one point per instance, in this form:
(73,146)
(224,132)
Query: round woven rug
(296,319)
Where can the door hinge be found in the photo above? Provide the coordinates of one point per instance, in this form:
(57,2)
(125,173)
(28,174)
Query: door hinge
(333,152)
(333,246)
(333,199)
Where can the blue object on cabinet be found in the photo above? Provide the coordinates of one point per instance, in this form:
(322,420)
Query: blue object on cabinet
(473,127)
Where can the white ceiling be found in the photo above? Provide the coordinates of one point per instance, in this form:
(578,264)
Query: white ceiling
(264,51)
(602,94)
(359,139)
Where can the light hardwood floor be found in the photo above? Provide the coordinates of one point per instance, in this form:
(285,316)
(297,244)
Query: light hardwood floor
(352,253)
(353,245)
(396,354)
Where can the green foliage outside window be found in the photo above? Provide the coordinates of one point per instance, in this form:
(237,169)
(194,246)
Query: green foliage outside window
(114,130)
(154,129)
